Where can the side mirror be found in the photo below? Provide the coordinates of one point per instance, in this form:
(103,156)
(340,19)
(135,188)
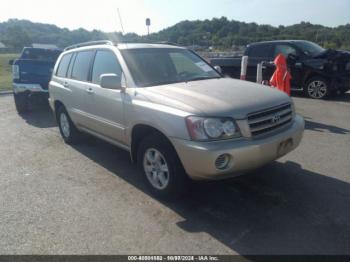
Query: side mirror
(293,57)
(11,62)
(111,81)
(218,68)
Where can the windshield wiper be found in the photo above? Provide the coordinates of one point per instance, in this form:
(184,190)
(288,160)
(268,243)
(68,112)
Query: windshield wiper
(159,83)
(202,78)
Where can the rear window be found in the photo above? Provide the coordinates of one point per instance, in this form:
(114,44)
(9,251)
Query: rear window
(260,51)
(40,54)
(82,65)
(63,66)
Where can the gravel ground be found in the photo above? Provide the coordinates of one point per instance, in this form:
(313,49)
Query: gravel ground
(89,199)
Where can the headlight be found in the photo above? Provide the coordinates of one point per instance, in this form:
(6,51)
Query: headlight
(213,127)
(204,129)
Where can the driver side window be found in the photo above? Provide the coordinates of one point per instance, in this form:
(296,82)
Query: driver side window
(105,63)
(285,50)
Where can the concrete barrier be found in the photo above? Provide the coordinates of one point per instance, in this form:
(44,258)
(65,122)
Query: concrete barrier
(244,66)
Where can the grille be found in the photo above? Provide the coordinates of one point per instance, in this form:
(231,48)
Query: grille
(269,120)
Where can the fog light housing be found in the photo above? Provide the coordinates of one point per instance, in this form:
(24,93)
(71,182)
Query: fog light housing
(223,162)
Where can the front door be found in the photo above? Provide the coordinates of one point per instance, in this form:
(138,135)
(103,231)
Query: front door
(295,66)
(105,107)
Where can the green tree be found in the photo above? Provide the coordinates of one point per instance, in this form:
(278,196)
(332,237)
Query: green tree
(16,37)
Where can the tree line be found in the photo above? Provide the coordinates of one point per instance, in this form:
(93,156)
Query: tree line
(220,33)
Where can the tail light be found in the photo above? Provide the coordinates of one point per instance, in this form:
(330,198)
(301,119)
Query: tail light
(15,72)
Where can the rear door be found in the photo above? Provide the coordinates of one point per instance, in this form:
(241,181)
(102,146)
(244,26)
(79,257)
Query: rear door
(77,83)
(105,106)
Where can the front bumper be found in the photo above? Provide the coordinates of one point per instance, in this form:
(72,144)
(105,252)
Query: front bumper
(198,158)
(29,88)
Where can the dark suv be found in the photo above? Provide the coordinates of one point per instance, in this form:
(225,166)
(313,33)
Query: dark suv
(316,71)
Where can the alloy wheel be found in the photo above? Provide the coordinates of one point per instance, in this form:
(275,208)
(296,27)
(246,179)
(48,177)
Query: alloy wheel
(64,123)
(317,89)
(156,169)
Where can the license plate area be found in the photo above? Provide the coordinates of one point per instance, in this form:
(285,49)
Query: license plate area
(284,147)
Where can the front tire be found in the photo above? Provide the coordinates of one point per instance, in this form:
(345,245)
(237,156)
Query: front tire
(317,88)
(69,132)
(162,169)
(22,103)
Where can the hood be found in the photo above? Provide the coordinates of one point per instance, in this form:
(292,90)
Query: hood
(332,54)
(216,97)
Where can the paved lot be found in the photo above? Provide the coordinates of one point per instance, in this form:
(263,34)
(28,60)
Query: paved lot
(88,199)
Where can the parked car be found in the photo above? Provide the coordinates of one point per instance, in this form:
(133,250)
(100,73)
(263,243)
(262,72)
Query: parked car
(176,115)
(31,75)
(316,71)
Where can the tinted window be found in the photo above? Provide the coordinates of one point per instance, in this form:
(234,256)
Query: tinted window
(40,54)
(105,63)
(82,65)
(260,51)
(70,68)
(310,48)
(285,50)
(62,68)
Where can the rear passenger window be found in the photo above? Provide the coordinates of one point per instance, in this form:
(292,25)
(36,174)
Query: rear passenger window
(82,65)
(260,51)
(105,63)
(63,66)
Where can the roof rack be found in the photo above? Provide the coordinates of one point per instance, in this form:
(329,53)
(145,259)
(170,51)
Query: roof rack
(102,42)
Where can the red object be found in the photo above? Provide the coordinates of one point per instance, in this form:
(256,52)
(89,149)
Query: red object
(242,77)
(281,78)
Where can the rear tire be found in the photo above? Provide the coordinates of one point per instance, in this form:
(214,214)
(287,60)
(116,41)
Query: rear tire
(22,103)
(317,88)
(69,132)
(162,169)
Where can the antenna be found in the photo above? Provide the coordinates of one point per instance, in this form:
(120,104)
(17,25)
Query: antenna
(121,21)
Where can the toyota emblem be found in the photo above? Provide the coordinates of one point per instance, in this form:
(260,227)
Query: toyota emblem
(276,119)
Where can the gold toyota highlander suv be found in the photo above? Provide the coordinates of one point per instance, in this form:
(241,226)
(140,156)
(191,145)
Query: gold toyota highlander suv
(175,114)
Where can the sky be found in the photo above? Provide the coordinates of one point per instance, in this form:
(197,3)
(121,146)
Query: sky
(103,14)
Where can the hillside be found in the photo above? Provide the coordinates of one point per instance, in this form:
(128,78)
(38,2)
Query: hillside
(219,32)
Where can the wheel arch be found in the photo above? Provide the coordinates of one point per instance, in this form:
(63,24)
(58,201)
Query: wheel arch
(139,132)
(57,105)
(311,75)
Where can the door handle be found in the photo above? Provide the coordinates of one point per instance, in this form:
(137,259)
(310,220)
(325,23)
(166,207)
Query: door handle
(90,90)
(66,84)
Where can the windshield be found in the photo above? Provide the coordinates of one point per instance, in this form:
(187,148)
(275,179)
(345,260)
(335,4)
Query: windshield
(160,66)
(40,54)
(310,48)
